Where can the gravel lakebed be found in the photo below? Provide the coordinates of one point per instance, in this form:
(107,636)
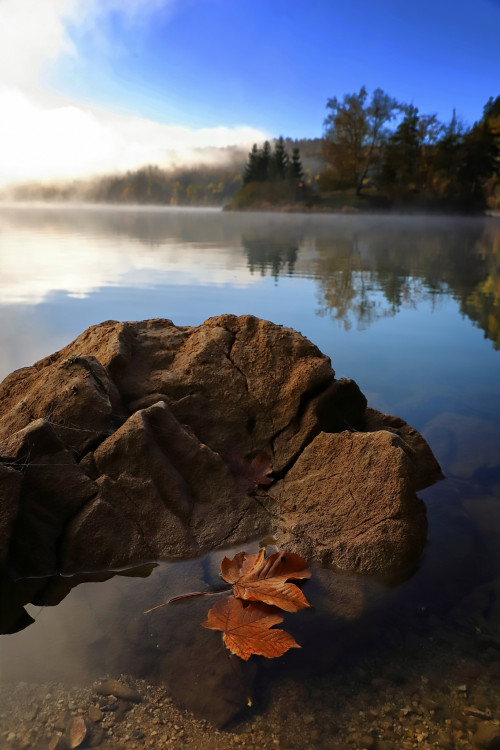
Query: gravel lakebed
(439,691)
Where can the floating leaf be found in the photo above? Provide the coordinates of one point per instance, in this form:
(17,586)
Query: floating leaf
(257,578)
(246,629)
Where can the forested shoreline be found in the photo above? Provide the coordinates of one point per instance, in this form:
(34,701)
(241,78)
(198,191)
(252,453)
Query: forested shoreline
(376,154)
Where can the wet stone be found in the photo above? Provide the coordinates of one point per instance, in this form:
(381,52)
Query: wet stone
(118,689)
(31,712)
(121,709)
(61,721)
(96,737)
(58,742)
(76,732)
(95,713)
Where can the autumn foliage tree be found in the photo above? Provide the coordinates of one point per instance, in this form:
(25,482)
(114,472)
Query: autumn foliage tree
(354,132)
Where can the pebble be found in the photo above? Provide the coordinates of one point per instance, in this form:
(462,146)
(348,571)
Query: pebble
(31,712)
(76,732)
(95,714)
(57,742)
(118,690)
(478,712)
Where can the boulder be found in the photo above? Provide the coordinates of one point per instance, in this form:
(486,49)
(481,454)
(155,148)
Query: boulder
(353,502)
(124,447)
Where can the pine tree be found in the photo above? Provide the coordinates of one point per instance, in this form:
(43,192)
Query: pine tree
(281,159)
(295,171)
(251,171)
(402,153)
(264,162)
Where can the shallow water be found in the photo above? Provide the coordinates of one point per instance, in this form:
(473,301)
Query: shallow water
(409,307)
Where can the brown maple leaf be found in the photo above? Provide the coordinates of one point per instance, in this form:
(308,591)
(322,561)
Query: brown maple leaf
(246,629)
(257,578)
(251,474)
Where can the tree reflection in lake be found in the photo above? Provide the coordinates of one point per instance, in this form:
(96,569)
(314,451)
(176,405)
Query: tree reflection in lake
(270,253)
(482,304)
(368,270)
(365,275)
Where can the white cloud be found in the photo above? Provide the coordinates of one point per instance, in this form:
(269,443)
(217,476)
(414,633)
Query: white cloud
(35,33)
(32,35)
(42,138)
(42,143)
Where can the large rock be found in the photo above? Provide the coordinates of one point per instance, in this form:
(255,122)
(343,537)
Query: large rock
(122,448)
(354,503)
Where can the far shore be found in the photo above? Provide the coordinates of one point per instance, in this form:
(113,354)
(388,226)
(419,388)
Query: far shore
(319,210)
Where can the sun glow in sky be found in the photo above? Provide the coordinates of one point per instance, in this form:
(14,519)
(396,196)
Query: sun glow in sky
(89,86)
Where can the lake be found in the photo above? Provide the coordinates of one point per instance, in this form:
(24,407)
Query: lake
(409,307)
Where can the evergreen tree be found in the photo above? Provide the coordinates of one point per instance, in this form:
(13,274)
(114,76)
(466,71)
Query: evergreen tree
(481,160)
(264,162)
(281,159)
(465,160)
(251,171)
(295,170)
(447,158)
(401,157)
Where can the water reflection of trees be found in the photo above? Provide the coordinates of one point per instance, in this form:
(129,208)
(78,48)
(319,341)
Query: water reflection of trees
(364,276)
(369,274)
(348,289)
(273,254)
(482,304)
(367,270)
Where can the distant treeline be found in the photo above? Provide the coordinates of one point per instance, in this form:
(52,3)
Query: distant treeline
(199,185)
(375,153)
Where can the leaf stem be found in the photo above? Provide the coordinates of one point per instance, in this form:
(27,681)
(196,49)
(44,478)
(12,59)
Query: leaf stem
(188,596)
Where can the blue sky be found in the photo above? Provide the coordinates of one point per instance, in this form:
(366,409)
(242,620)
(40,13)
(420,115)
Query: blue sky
(140,79)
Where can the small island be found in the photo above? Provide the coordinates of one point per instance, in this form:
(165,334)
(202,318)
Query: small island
(420,164)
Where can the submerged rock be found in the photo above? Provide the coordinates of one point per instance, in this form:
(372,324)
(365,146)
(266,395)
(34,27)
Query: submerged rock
(121,448)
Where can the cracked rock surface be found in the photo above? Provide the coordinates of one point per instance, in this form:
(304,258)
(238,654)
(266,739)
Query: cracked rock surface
(118,449)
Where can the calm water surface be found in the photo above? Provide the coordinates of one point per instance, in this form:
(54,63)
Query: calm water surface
(409,307)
